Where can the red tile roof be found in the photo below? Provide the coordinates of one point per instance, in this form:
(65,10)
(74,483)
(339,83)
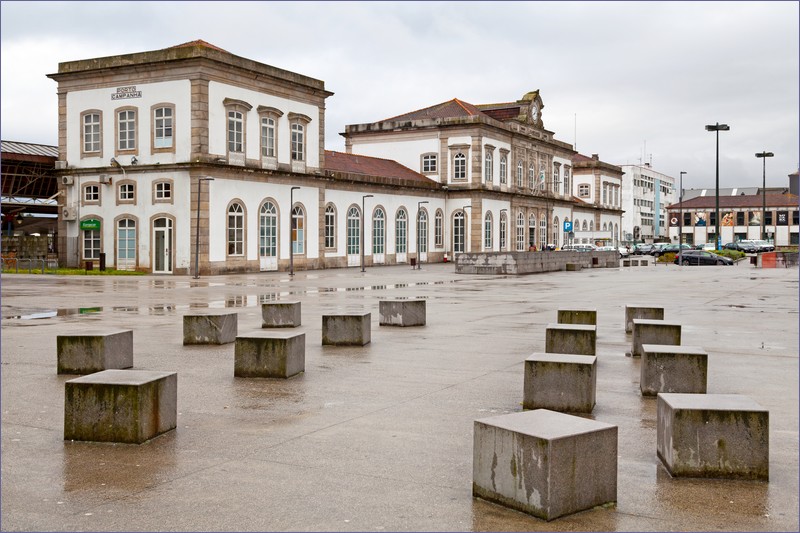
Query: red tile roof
(371,166)
(198,42)
(449,109)
(740,201)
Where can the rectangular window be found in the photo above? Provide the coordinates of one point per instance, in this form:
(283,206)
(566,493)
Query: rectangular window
(567,185)
(429,163)
(163,190)
(298,142)
(531,177)
(126,130)
(162,118)
(437,229)
(583,190)
(91,132)
(795,218)
(91,193)
(330,228)
(267,137)
(740,218)
(687,219)
(235,132)
(91,244)
(126,191)
(768,218)
(712,218)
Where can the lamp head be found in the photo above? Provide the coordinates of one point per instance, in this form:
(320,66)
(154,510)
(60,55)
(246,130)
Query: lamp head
(114,162)
(134,161)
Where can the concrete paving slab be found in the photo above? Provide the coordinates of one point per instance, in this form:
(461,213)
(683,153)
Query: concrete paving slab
(379,437)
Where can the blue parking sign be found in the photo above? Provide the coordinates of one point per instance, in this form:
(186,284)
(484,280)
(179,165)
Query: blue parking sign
(567,225)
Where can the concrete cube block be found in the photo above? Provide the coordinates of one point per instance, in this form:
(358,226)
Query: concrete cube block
(669,368)
(274,354)
(577,316)
(578,339)
(210,328)
(350,329)
(640,311)
(713,435)
(544,463)
(560,382)
(573,267)
(280,315)
(93,351)
(402,312)
(654,332)
(129,406)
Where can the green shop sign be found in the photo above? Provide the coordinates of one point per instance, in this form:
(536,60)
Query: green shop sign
(90,223)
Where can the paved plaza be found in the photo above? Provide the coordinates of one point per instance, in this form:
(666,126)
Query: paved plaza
(380,437)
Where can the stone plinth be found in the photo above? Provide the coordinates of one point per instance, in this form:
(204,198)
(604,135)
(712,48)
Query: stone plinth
(713,435)
(667,368)
(93,351)
(639,311)
(210,328)
(573,267)
(280,315)
(402,312)
(544,463)
(130,406)
(350,329)
(577,316)
(560,382)
(274,354)
(654,332)
(578,339)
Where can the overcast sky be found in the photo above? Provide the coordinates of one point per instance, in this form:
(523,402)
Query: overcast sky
(625,80)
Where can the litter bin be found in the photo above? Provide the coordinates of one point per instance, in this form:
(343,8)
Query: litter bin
(413,262)
(102,261)
(89,265)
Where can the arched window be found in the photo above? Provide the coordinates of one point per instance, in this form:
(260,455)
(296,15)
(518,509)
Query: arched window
(531,177)
(353,231)
(459,231)
(503,230)
(520,174)
(566,233)
(487,168)
(438,228)
(378,231)
(532,230)
(605,227)
(401,232)
(542,231)
(330,227)
(235,229)
(268,230)
(520,232)
(591,225)
(487,231)
(555,231)
(298,230)
(126,244)
(503,168)
(585,226)
(422,245)
(576,226)
(460,167)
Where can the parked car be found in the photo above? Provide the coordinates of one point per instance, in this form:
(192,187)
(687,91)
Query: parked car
(742,246)
(642,249)
(761,246)
(701,257)
(671,248)
(624,251)
(657,248)
(708,247)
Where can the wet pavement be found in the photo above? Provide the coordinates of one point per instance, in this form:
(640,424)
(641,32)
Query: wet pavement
(379,438)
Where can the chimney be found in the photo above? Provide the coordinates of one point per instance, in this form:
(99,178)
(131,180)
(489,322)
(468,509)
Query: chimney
(596,157)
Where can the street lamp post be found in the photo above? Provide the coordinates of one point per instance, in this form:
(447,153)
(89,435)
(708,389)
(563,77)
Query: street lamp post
(363,218)
(291,230)
(419,250)
(764,155)
(680,222)
(197,229)
(717,128)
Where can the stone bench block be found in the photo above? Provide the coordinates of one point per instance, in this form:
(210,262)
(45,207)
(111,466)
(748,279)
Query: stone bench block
(713,435)
(654,332)
(544,463)
(94,351)
(638,311)
(402,312)
(276,354)
(668,368)
(577,316)
(573,267)
(626,262)
(635,262)
(280,315)
(352,329)
(560,382)
(129,406)
(580,339)
(210,328)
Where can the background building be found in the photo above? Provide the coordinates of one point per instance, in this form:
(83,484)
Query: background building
(646,194)
(598,185)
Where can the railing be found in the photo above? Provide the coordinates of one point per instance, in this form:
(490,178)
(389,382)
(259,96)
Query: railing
(14,262)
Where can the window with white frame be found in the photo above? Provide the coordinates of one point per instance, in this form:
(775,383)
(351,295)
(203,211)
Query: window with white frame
(401,232)
(605,193)
(520,174)
(163,127)
(555,231)
(268,230)
(567,181)
(126,193)
(126,130)
(267,137)
(422,245)
(236,229)
(487,231)
(487,167)
(163,191)
(520,232)
(298,142)
(531,177)
(503,169)
(330,227)
(91,244)
(542,231)
(235,132)
(378,231)
(460,166)
(556,177)
(583,190)
(353,231)
(503,230)
(298,230)
(532,230)
(91,133)
(438,228)
(429,163)
(459,232)
(91,194)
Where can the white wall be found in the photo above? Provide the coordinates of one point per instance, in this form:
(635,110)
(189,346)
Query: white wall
(405,152)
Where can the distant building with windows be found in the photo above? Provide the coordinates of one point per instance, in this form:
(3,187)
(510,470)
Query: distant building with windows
(598,185)
(646,193)
(192,157)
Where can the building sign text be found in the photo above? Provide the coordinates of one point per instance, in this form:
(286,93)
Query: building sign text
(126,92)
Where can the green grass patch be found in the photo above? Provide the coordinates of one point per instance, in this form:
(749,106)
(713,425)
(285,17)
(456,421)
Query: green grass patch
(74,272)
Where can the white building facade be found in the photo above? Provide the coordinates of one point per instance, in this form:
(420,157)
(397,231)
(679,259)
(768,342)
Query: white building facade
(646,194)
